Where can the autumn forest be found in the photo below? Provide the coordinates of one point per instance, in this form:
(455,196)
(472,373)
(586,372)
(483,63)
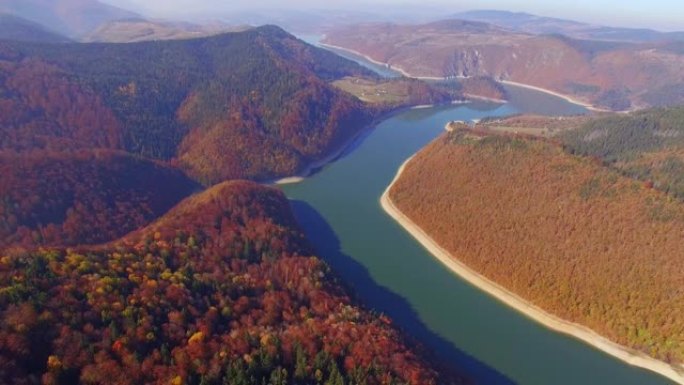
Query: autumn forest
(146,237)
(121,264)
(579,236)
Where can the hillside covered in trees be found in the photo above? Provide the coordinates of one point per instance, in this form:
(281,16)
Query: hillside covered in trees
(647,145)
(571,236)
(15,28)
(115,268)
(52,198)
(255,104)
(221,290)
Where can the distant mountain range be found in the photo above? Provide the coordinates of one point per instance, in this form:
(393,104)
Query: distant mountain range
(135,30)
(16,28)
(528,23)
(609,74)
(72,18)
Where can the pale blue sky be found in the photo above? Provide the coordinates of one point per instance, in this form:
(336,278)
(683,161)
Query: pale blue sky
(657,14)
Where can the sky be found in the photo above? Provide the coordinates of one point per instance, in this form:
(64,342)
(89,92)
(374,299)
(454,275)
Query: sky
(657,14)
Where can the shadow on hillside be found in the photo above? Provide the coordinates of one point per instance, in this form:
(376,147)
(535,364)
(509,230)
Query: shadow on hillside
(358,280)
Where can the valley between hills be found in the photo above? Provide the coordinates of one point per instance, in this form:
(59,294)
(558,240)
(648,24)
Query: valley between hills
(131,252)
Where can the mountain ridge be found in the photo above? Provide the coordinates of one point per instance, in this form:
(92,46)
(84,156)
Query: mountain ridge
(72,18)
(222,289)
(274,86)
(19,29)
(530,23)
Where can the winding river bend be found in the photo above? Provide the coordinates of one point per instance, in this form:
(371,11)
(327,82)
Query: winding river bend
(389,271)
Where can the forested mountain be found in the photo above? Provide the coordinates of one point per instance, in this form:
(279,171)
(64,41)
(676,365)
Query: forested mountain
(71,18)
(647,145)
(18,29)
(253,104)
(87,197)
(102,141)
(222,290)
(563,232)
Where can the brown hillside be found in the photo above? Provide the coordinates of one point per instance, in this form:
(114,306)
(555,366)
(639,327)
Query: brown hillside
(220,291)
(41,107)
(255,104)
(86,197)
(572,237)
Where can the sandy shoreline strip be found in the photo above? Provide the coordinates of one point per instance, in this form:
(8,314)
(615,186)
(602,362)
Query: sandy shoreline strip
(485,99)
(334,155)
(554,93)
(347,145)
(370,59)
(630,356)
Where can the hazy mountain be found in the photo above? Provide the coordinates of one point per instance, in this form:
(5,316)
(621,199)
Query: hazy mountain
(56,198)
(72,18)
(19,29)
(133,30)
(613,75)
(525,22)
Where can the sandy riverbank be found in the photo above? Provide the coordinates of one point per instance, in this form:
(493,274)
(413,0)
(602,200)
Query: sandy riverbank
(347,145)
(485,99)
(580,332)
(376,62)
(554,93)
(312,167)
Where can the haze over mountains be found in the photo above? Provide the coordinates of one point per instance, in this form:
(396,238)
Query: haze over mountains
(135,30)
(94,20)
(16,28)
(591,242)
(540,25)
(71,18)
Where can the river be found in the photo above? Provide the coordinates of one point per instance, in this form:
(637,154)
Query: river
(389,271)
